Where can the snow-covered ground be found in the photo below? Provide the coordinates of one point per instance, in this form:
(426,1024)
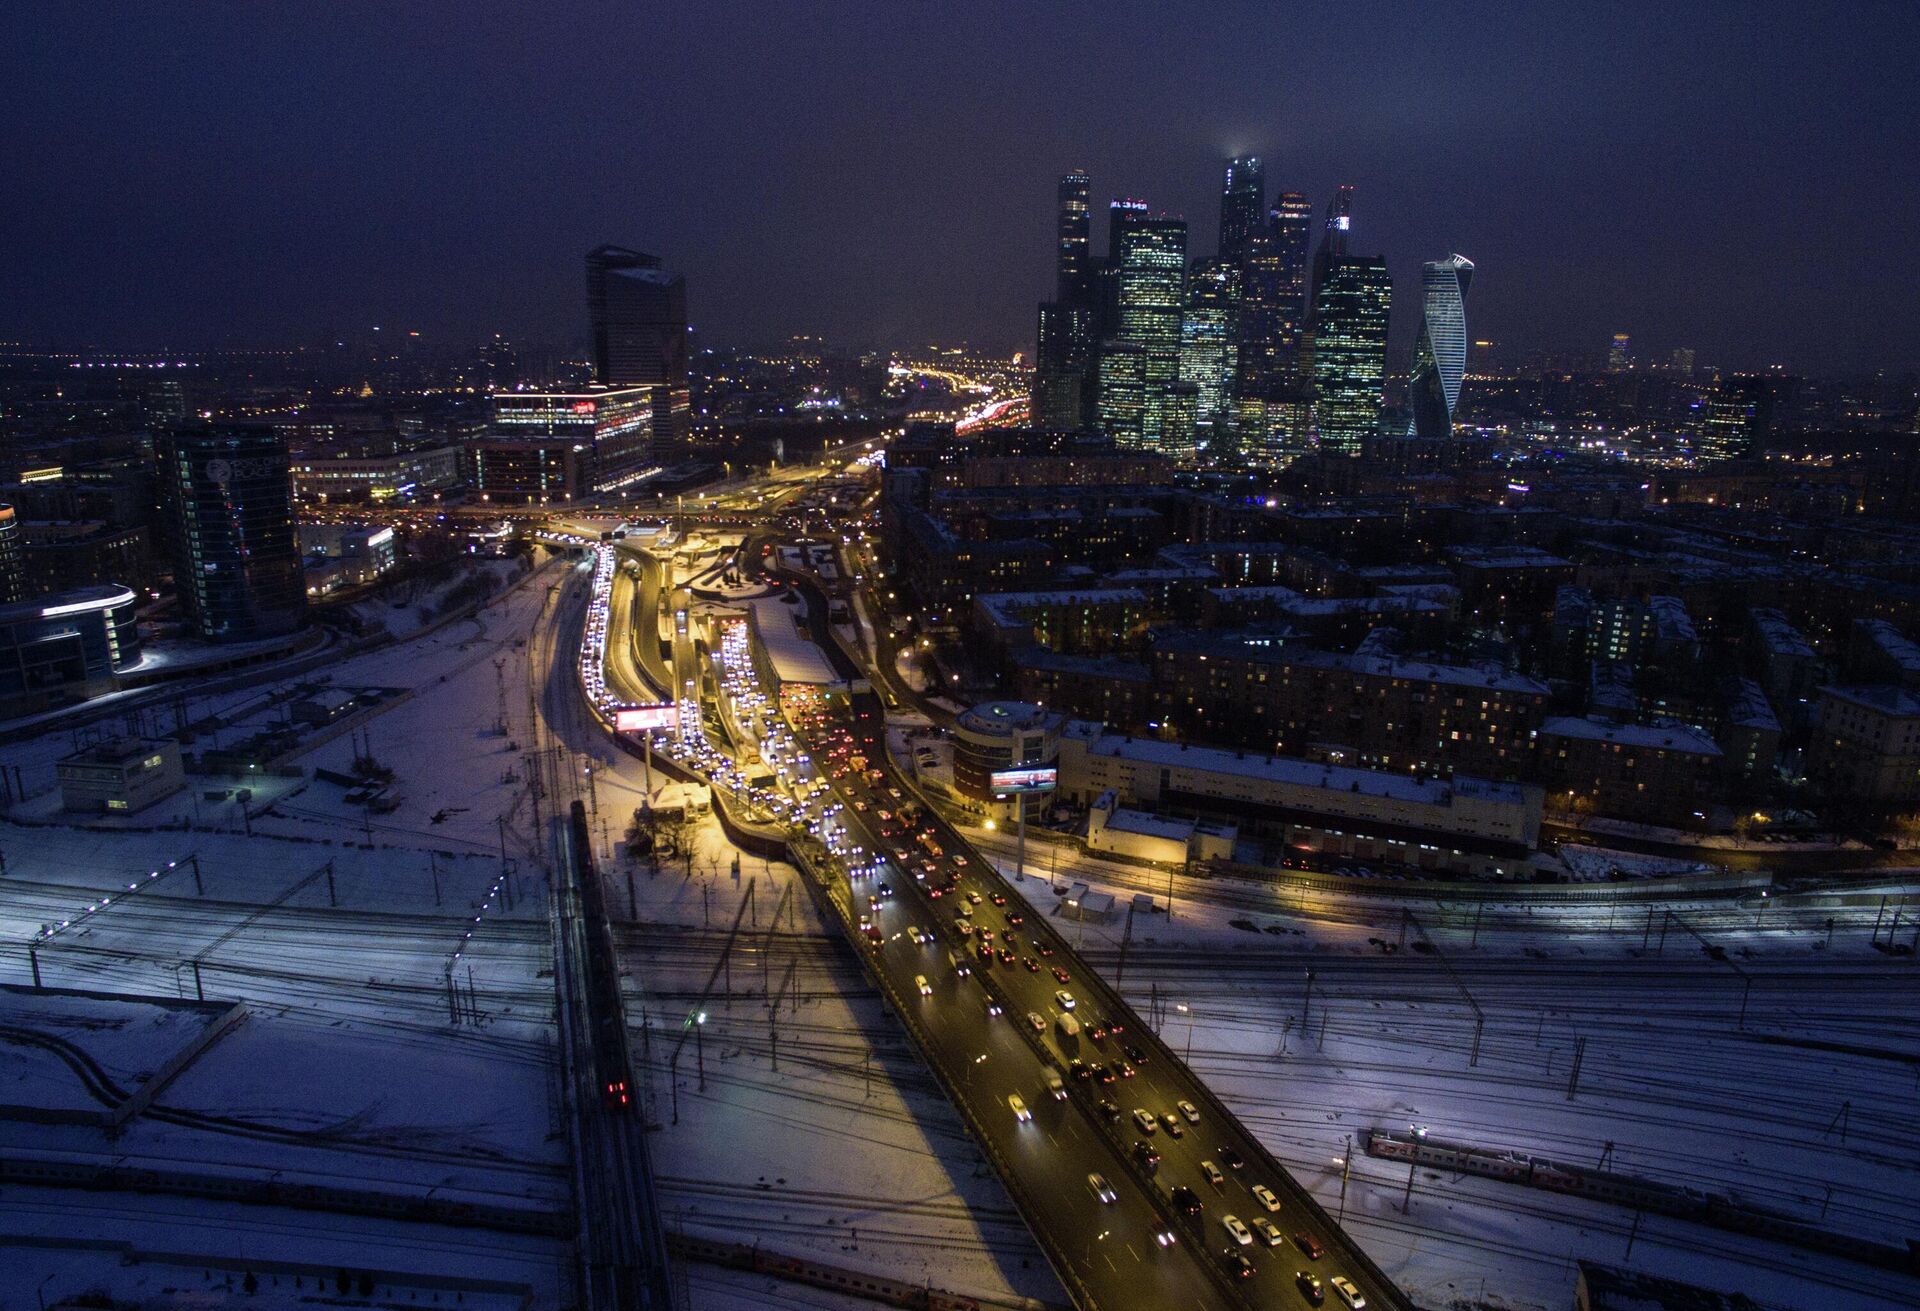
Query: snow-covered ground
(848,1151)
(1804,1104)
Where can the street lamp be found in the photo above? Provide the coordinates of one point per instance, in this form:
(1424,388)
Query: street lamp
(1182,1008)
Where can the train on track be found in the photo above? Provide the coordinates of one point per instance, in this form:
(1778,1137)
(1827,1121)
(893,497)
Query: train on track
(606,1019)
(116,1177)
(1718,1209)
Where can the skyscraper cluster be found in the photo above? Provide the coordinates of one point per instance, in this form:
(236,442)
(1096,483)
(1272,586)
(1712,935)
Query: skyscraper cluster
(1250,355)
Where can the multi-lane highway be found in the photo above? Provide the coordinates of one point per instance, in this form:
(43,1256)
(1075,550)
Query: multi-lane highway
(1123,1163)
(1134,1100)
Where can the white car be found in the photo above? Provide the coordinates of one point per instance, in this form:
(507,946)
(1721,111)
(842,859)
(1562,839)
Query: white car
(1144,1118)
(1065,999)
(1189,1110)
(1264,1195)
(1020,1111)
(1038,1021)
(1102,1189)
(1269,1234)
(1348,1293)
(1237,1231)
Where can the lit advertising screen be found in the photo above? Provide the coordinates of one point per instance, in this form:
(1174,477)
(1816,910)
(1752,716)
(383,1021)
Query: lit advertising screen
(638,719)
(1039,778)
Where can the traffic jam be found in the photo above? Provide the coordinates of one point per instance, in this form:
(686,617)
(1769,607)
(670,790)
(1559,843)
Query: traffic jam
(981,933)
(813,766)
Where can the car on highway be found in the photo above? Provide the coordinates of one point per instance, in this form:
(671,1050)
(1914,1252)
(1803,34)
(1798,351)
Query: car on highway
(1065,999)
(1171,1123)
(1308,1244)
(1103,1190)
(1109,1110)
(1267,1232)
(1237,1264)
(960,964)
(1212,1172)
(1348,1293)
(1235,1162)
(993,1007)
(998,899)
(920,982)
(1309,1285)
(1038,1021)
(1062,975)
(1018,1105)
(1236,1230)
(1079,1069)
(1126,1071)
(1144,1118)
(1056,1085)
(1033,966)
(1192,1113)
(1145,1156)
(1264,1195)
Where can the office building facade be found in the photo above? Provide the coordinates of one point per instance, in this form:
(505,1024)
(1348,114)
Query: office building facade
(555,446)
(1440,355)
(1073,256)
(228,492)
(1243,202)
(637,313)
(1349,350)
(1150,258)
(1209,332)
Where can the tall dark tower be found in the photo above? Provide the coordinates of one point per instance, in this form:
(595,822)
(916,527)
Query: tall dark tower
(1274,295)
(1243,203)
(1333,238)
(228,492)
(637,312)
(1074,284)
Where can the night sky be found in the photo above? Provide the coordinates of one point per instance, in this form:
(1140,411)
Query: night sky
(1739,177)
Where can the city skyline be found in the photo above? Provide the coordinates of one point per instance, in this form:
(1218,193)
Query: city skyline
(415,190)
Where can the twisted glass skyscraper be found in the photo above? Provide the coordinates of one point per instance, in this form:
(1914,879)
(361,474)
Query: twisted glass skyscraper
(1440,355)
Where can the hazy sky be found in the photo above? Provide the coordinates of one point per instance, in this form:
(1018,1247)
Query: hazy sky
(1740,177)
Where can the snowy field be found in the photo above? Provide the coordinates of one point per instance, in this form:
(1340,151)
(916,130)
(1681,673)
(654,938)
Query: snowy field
(848,1151)
(354,941)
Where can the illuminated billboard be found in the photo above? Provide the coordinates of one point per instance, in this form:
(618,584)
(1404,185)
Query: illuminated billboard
(638,719)
(1035,778)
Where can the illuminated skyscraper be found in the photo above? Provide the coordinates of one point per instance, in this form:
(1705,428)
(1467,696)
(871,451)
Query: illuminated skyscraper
(637,313)
(1074,255)
(1440,355)
(1150,261)
(1740,414)
(1208,347)
(1178,423)
(1620,353)
(1273,296)
(1243,201)
(1333,239)
(1349,349)
(1122,398)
